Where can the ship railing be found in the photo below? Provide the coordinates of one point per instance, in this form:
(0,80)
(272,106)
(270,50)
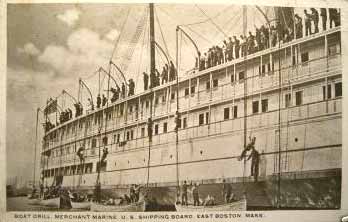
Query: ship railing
(255,122)
(317,68)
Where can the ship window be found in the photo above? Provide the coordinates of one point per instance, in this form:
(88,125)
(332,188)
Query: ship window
(147,104)
(235,111)
(207,85)
(263,70)
(328,92)
(185,122)
(298,98)
(287,100)
(304,57)
(193,89)
(215,83)
(118,138)
(165,126)
(94,143)
(293,60)
(255,106)
(232,78)
(187,91)
(264,104)
(241,76)
(338,89)
(206,118)
(172,96)
(156,129)
(105,140)
(226,113)
(102,166)
(334,49)
(201,119)
(142,132)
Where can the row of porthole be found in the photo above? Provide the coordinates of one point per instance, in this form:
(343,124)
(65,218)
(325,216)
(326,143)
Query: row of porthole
(171,156)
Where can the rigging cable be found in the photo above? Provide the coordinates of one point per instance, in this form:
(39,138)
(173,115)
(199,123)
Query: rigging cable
(141,51)
(119,36)
(212,21)
(164,41)
(199,35)
(228,21)
(215,16)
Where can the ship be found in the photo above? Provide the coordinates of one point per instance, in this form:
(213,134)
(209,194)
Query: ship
(288,96)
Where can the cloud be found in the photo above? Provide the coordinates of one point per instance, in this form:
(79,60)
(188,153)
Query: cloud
(112,35)
(70,17)
(29,49)
(84,53)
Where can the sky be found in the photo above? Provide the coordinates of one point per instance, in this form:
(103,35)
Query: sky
(51,46)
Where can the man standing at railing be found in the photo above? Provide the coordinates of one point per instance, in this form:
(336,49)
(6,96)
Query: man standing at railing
(315,18)
(308,27)
(323,15)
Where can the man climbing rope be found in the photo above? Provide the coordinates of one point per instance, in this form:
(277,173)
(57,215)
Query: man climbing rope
(248,148)
(255,159)
(79,153)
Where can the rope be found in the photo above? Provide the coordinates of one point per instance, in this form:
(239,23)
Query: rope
(141,52)
(233,25)
(215,16)
(228,21)
(119,36)
(134,40)
(90,76)
(199,35)
(164,42)
(212,21)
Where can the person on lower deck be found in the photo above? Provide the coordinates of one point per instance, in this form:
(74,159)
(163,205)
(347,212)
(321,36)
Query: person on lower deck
(226,191)
(184,194)
(132,193)
(195,194)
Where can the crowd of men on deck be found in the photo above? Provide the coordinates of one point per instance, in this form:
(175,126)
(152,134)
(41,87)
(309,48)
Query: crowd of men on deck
(265,37)
(232,48)
(168,74)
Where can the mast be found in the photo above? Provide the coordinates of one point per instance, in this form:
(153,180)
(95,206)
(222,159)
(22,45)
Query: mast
(177,112)
(152,74)
(279,121)
(245,24)
(36,128)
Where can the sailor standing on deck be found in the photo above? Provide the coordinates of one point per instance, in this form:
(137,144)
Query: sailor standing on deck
(98,101)
(323,15)
(226,191)
(315,18)
(195,194)
(308,27)
(184,194)
(104,100)
(146,80)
